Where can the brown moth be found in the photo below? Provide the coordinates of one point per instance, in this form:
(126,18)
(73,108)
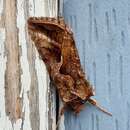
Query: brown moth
(55,43)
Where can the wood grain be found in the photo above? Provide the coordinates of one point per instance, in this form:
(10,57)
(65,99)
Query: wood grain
(102,35)
(12,73)
(24,84)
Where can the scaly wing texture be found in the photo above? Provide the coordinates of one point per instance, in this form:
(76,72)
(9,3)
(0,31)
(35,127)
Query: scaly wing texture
(55,43)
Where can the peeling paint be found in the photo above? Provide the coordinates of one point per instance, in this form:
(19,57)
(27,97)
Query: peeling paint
(24,83)
(42,80)
(34,86)
(25,76)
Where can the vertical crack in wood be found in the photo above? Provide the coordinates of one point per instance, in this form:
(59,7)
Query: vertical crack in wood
(13,102)
(107,21)
(94,73)
(84,54)
(80,125)
(109,73)
(23,118)
(109,65)
(114,16)
(121,74)
(34,91)
(1,15)
(123,38)
(117,124)
(97,122)
(34,99)
(60,7)
(128,116)
(93,122)
(70,21)
(96,29)
(128,124)
(90,23)
(73,22)
(129,20)
(109,88)
(52,107)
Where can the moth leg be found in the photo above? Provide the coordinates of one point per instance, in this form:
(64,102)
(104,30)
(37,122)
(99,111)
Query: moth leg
(94,102)
(62,110)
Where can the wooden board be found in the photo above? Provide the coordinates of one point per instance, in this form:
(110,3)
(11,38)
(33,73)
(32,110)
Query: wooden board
(26,102)
(102,32)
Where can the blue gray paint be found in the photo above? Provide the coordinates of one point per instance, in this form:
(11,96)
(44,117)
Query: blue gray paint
(102,33)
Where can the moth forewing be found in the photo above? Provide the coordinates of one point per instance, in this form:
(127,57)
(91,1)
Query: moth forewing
(56,45)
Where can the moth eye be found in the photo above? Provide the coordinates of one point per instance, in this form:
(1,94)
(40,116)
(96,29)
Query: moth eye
(83,101)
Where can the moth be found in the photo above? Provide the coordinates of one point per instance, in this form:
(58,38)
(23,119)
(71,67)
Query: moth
(55,43)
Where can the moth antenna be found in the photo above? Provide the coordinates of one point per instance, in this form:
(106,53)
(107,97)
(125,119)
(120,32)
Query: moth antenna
(94,102)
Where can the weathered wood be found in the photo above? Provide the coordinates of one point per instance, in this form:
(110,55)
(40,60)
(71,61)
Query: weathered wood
(12,73)
(24,84)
